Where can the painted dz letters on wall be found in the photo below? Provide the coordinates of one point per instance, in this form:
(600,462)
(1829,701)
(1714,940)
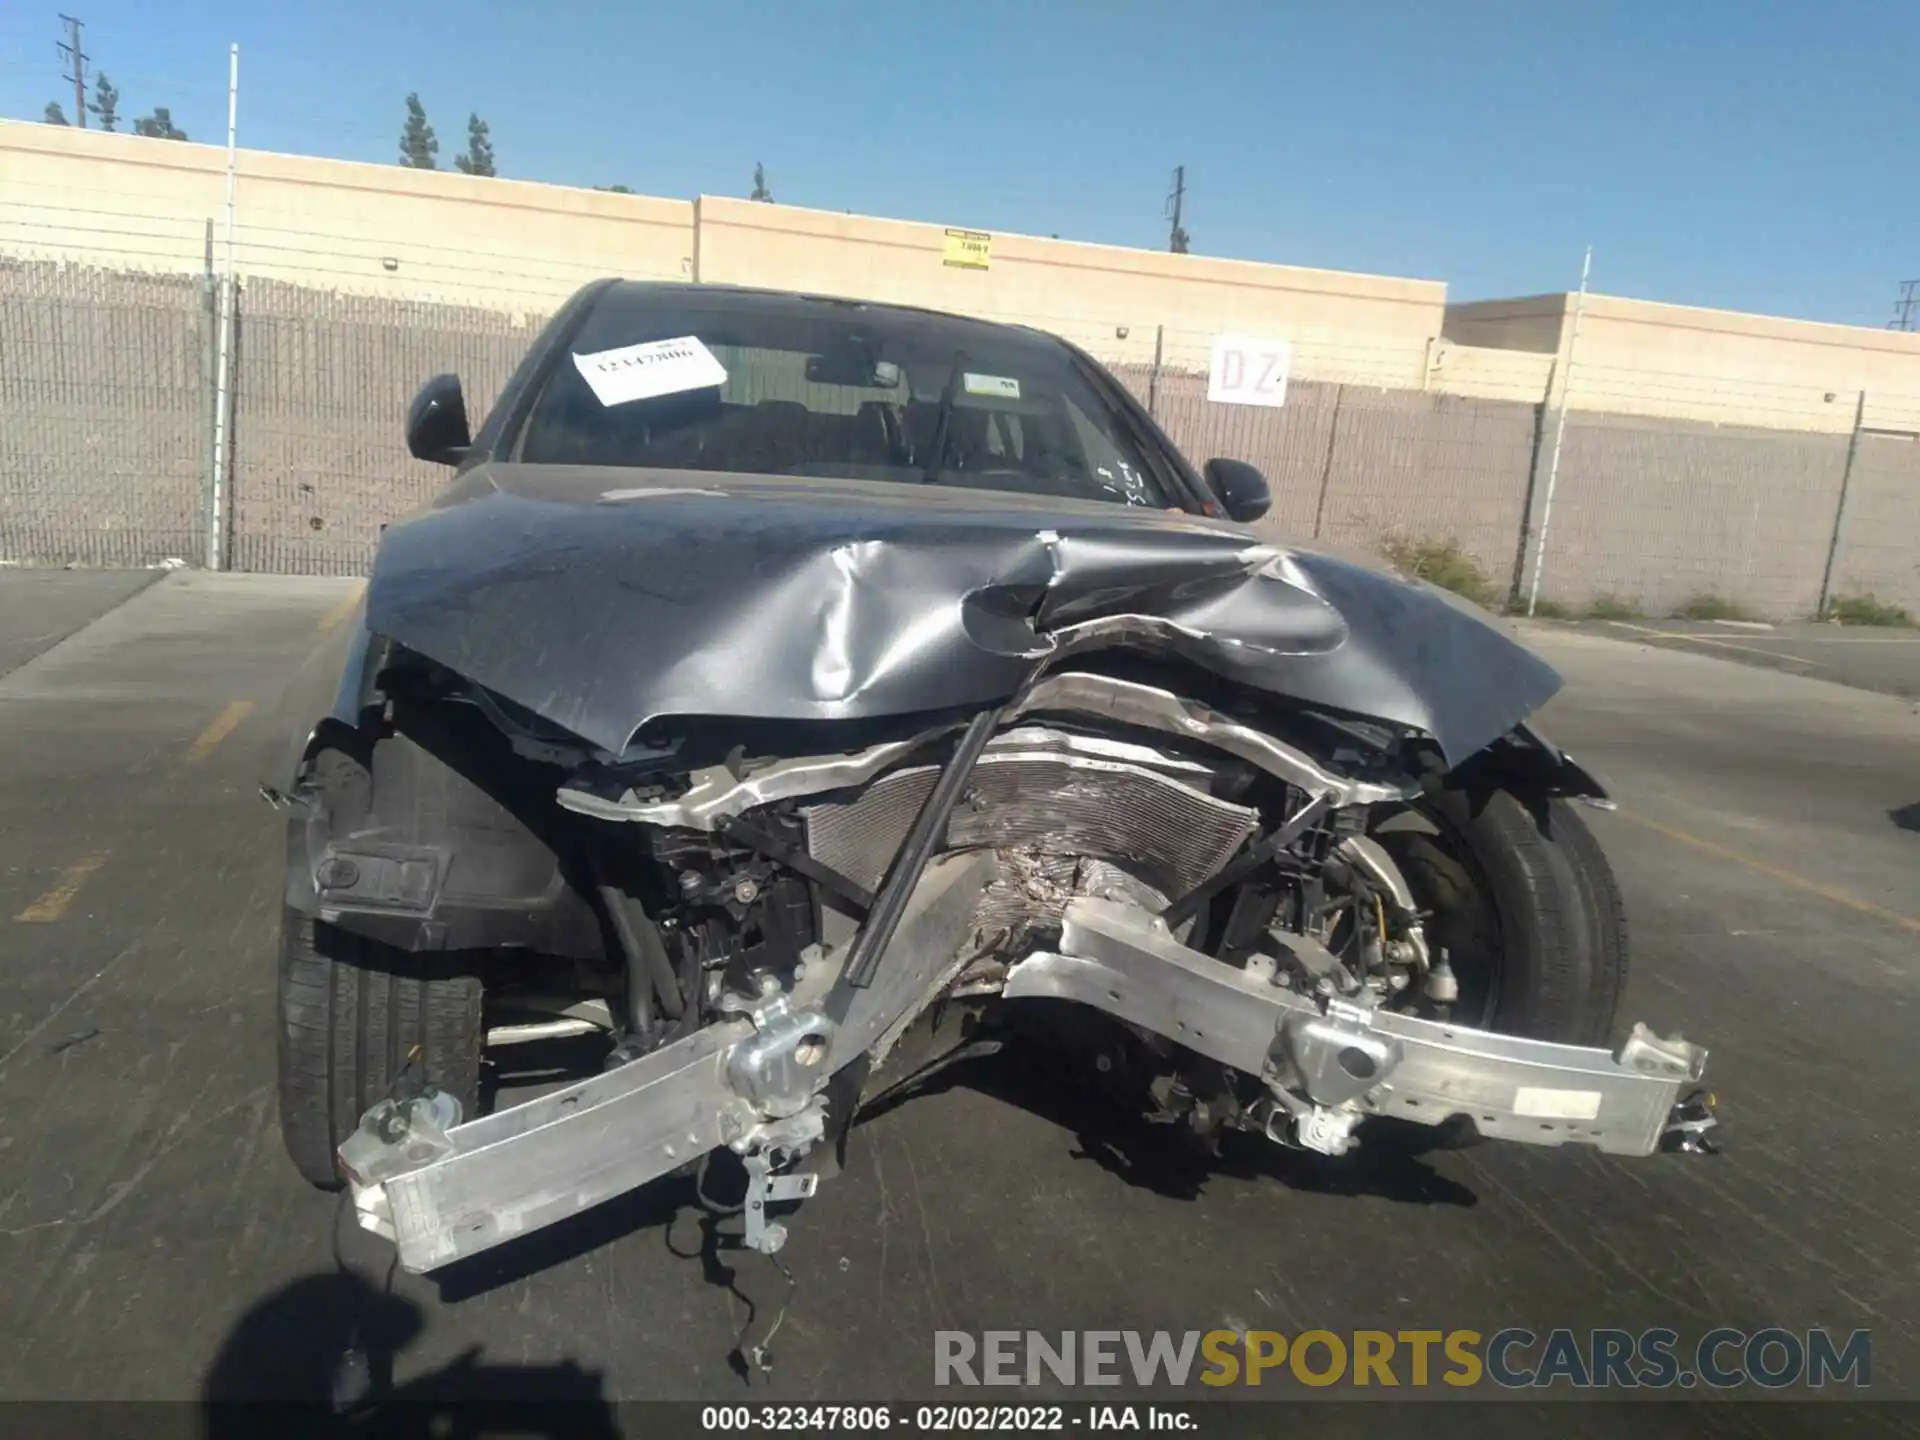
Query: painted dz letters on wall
(1248,371)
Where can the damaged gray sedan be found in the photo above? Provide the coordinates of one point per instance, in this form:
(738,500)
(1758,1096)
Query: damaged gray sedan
(783,680)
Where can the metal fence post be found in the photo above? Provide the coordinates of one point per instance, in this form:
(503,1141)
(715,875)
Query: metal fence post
(1840,507)
(1523,548)
(1153,377)
(1326,463)
(1559,436)
(223,398)
(209,379)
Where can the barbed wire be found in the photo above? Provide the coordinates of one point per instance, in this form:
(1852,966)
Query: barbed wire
(528,275)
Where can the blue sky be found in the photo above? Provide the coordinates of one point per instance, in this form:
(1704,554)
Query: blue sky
(1755,156)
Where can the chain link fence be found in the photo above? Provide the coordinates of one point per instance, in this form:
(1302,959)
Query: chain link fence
(105,416)
(1660,515)
(321,385)
(106,384)
(1876,551)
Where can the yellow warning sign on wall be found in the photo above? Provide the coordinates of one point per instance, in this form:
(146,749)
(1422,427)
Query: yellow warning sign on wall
(968,249)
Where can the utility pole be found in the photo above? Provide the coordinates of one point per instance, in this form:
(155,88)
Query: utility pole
(1179,239)
(70,48)
(1903,307)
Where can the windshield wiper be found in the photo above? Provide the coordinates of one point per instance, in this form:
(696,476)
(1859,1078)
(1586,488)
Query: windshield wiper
(947,395)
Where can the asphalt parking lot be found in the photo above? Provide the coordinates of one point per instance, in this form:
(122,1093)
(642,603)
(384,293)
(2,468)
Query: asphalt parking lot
(156,1244)
(40,608)
(1884,659)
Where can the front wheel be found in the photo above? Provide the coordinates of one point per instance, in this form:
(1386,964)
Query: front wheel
(353,1013)
(1520,895)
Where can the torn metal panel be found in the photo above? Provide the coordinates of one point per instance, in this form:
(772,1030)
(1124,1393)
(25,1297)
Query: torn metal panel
(716,793)
(601,599)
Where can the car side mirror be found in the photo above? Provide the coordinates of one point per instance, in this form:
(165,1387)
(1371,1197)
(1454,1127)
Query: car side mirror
(437,422)
(1241,487)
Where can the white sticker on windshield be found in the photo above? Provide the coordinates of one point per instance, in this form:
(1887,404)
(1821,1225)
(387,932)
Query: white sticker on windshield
(999,387)
(642,372)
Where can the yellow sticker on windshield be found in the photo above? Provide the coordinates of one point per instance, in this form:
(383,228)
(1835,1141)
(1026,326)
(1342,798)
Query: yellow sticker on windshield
(998,387)
(967,249)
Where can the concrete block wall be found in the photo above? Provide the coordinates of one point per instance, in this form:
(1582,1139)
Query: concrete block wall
(1678,362)
(130,203)
(1113,301)
(1657,512)
(1879,550)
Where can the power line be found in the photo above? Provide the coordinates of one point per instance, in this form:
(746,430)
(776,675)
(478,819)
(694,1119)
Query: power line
(70,47)
(1903,308)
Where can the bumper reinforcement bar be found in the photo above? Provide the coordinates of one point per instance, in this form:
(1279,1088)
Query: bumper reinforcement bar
(756,1080)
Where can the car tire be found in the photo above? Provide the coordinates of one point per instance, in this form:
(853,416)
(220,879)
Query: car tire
(1521,890)
(352,1012)
(1606,914)
(1523,884)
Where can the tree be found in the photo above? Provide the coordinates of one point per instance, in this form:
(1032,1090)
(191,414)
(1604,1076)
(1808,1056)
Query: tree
(54,114)
(418,144)
(106,102)
(479,157)
(760,190)
(615,189)
(159,125)
(1181,241)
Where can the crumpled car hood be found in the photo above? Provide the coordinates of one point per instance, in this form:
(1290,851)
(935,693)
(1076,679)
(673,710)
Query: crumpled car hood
(602,599)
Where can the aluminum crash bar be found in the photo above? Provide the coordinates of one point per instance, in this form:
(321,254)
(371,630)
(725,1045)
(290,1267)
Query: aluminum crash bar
(756,1081)
(1331,1064)
(753,1082)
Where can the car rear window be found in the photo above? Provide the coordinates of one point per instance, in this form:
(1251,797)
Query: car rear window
(776,385)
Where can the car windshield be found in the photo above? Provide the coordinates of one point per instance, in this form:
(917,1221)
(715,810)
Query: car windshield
(778,385)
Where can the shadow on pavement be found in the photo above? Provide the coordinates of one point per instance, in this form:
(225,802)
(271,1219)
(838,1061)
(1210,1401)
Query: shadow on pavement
(317,1357)
(333,1334)
(652,1207)
(1055,1076)
(689,1228)
(1907,817)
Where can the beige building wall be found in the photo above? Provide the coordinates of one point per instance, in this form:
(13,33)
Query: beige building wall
(1532,323)
(127,202)
(1363,328)
(1487,373)
(1639,357)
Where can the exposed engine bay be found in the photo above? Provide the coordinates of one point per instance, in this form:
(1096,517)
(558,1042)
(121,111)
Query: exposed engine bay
(781,921)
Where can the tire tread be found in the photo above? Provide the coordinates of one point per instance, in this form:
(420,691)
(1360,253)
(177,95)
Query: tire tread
(1563,919)
(352,1011)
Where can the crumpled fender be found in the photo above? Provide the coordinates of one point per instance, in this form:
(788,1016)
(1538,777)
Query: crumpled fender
(605,599)
(330,689)
(1528,763)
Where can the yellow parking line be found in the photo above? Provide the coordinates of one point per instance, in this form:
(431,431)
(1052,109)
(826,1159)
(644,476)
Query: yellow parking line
(1824,639)
(52,905)
(218,729)
(340,612)
(1774,872)
(1710,640)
